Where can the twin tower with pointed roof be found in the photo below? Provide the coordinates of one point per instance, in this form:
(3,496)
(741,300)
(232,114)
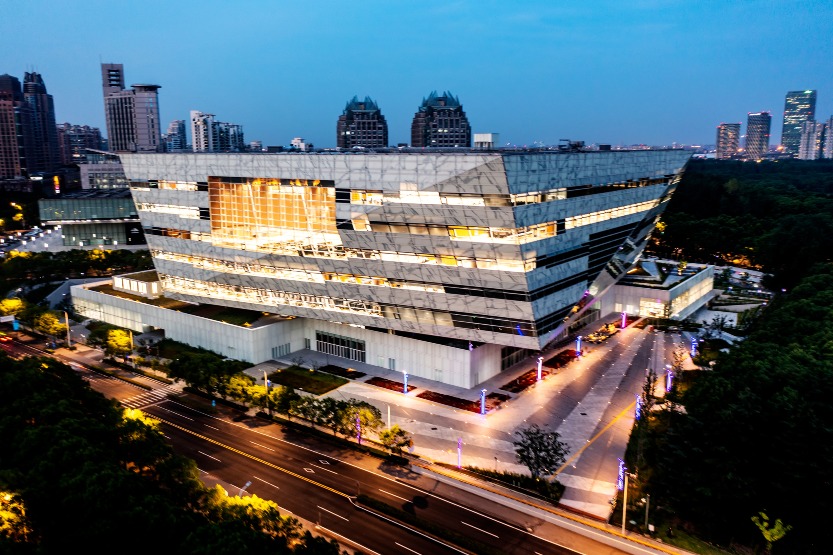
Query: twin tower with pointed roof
(439,122)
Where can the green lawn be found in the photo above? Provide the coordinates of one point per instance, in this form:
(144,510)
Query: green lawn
(303,379)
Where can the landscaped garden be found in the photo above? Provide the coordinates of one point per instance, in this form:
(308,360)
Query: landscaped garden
(349,373)
(526,380)
(493,400)
(306,380)
(389,384)
(561,359)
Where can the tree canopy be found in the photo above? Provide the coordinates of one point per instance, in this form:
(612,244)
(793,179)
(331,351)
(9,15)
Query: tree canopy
(540,451)
(76,470)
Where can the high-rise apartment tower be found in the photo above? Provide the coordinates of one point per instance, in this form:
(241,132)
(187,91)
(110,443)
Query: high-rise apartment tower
(440,122)
(362,125)
(799,106)
(757,134)
(812,140)
(728,140)
(16,136)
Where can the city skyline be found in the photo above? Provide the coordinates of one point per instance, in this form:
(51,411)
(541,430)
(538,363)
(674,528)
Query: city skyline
(650,73)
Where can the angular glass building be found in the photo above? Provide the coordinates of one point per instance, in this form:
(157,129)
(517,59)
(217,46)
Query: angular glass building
(448,265)
(799,107)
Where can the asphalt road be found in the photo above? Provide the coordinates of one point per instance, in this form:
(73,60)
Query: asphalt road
(319,483)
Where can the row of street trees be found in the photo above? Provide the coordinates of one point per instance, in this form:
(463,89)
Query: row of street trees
(79,472)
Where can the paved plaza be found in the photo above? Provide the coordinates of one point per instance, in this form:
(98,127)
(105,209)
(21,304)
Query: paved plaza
(590,402)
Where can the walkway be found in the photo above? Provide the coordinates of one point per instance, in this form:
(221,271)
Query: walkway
(589,402)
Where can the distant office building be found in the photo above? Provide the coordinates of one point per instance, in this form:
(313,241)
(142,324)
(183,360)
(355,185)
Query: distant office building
(361,125)
(827,147)
(101,170)
(132,115)
(255,146)
(728,140)
(74,140)
(208,135)
(800,106)
(812,140)
(757,134)
(298,143)
(486,140)
(45,156)
(440,122)
(17,140)
(175,139)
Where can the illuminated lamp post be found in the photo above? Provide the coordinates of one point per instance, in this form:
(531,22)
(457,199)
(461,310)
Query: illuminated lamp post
(638,411)
(578,346)
(540,363)
(693,347)
(459,452)
(669,376)
(624,319)
(405,385)
(482,401)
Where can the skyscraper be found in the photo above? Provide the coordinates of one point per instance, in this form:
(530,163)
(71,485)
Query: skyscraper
(16,129)
(45,155)
(175,138)
(800,106)
(827,147)
(361,125)
(208,135)
(757,134)
(440,122)
(74,140)
(132,115)
(812,137)
(728,140)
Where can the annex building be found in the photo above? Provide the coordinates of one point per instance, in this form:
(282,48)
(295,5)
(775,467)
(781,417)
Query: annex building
(448,265)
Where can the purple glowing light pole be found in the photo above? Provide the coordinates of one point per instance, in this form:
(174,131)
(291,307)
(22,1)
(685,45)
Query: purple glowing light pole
(624,320)
(669,376)
(359,429)
(638,412)
(459,452)
(405,385)
(540,363)
(578,346)
(693,347)
(482,401)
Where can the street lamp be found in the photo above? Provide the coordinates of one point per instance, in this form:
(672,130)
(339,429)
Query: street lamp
(540,363)
(482,401)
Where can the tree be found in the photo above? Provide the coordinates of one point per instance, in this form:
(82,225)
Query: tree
(119,343)
(11,306)
(395,439)
(49,324)
(771,533)
(540,451)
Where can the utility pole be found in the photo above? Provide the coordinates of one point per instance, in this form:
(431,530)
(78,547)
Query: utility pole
(647,504)
(268,400)
(66,320)
(625,503)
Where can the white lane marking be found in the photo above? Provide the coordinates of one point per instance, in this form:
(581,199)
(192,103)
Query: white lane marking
(212,427)
(176,413)
(480,529)
(327,469)
(259,445)
(408,548)
(265,482)
(392,495)
(332,513)
(209,456)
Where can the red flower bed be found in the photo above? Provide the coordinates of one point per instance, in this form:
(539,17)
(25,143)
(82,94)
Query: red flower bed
(389,384)
(493,400)
(562,358)
(526,380)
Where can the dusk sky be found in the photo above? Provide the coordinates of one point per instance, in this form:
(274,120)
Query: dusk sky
(641,71)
